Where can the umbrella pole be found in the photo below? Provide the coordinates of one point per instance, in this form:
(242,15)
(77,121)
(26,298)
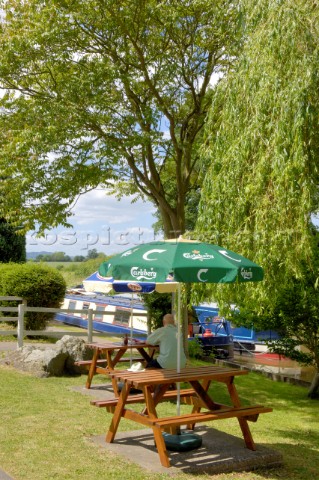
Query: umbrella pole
(131,333)
(178,346)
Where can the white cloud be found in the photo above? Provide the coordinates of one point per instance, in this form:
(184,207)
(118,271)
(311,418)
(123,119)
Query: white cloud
(99,221)
(98,206)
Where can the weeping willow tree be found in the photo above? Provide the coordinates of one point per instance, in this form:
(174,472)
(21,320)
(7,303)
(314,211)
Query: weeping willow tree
(262,149)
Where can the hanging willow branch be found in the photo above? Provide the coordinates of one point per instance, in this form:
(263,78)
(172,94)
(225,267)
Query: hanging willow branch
(262,145)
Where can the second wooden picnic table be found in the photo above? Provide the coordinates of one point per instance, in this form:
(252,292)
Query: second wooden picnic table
(107,355)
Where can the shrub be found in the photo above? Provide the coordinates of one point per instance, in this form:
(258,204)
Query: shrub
(39,285)
(195,349)
(157,305)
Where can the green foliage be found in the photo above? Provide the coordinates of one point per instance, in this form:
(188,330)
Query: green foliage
(53,257)
(39,285)
(157,304)
(12,244)
(289,347)
(294,314)
(92,254)
(262,148)
(195,349)
(107,93)
(74,273)
(78,258)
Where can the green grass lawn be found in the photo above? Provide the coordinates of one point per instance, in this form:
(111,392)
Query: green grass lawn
(46,426)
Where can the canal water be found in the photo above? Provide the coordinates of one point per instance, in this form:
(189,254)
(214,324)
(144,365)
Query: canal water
(281,366)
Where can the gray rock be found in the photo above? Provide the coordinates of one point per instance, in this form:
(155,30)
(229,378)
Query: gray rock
(50,361)
(53,360)
(76,350)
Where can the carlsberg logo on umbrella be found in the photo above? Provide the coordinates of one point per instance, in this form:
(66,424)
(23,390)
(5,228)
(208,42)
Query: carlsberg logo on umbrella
(246,274)
(196,255)
(140,274)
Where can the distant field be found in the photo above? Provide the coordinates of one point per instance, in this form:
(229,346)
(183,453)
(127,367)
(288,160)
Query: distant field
(75,272)
(64,264)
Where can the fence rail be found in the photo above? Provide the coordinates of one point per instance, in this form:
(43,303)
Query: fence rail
(22,308)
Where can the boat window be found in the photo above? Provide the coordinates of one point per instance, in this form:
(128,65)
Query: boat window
(85,306)
(72,305)
(99,316)
(122,316)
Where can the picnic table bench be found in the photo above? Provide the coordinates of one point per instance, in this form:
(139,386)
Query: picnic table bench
(155,383)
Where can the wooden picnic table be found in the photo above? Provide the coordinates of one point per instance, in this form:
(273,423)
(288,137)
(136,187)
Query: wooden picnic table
(155,384)
(112,354)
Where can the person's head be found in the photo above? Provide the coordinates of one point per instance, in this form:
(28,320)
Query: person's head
(168,319)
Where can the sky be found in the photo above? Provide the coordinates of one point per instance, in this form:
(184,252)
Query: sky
(102,222)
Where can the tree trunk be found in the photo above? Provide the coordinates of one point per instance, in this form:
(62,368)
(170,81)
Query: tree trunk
(173,225)
(312,393)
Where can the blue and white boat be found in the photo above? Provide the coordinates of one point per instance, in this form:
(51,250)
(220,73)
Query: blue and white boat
(123,314)
(113,314)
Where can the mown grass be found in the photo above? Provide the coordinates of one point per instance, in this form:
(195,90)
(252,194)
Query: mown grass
(46,426)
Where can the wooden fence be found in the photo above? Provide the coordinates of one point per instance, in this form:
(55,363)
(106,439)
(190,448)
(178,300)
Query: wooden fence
(22,308)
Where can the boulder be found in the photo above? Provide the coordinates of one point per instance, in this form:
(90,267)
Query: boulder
(51,360)
(76,350)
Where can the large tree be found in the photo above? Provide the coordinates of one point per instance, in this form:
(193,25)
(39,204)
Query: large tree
(262,148)
(12,244)
(110,93)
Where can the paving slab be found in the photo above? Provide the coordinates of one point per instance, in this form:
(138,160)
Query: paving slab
(219,453)
(96,392)
(4,476)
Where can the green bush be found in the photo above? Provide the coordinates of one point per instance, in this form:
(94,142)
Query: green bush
(157,304)
(39,285)
(195,349)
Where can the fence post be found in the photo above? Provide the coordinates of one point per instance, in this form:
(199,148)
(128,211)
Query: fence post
(20,332)
(90,325)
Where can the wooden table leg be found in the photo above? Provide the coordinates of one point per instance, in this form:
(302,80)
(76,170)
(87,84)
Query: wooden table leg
(111,362)
(144,354)
(161,447)
(242,421)
(92,369)
(118,413)
(151,412)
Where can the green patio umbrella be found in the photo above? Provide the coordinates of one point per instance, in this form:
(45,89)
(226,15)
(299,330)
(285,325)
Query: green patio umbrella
(171,262)
(181,260)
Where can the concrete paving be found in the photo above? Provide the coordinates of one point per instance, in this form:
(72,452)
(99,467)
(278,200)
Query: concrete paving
(220,452)
(8,346)
(4,476)
(12,346)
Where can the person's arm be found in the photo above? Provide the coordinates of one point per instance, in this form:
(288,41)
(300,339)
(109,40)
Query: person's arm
(154,338)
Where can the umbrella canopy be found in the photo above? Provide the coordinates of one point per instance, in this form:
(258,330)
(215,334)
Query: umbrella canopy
(181,261)
(100,284)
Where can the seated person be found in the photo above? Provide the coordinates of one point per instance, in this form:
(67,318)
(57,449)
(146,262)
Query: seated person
(166,338)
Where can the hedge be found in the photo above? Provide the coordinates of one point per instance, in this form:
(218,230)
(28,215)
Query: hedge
(39,285)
